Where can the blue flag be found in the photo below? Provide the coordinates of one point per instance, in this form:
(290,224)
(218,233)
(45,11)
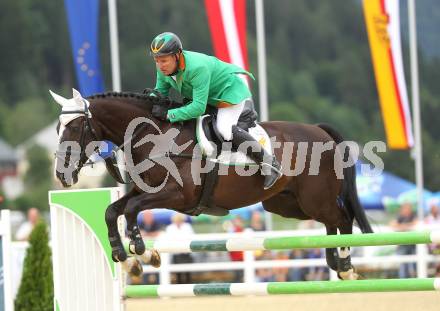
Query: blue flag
(83,16)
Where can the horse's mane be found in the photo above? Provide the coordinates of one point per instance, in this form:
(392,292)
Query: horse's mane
(143,100)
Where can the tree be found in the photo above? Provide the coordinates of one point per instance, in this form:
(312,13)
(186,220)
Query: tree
(38,180)
(36,287)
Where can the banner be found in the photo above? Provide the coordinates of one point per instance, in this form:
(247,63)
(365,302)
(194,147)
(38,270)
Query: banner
(383,27)
(83,16)
(227,23)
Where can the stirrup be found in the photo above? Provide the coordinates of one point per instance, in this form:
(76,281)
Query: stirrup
(271,179)
(272,168)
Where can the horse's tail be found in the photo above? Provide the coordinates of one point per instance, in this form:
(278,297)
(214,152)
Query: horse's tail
(349,193)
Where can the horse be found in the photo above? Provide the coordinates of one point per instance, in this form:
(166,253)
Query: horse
(322,195)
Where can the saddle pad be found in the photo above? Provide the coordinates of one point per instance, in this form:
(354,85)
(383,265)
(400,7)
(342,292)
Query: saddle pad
(231,157)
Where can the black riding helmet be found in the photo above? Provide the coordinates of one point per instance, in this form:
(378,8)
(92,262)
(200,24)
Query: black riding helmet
(166,43)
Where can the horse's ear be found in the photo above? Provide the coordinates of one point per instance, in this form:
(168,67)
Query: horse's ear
(76,94)
(59,99)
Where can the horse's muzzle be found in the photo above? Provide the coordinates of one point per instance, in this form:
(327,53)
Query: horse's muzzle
(67,182)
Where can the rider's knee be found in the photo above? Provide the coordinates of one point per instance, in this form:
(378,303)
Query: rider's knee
(225,132)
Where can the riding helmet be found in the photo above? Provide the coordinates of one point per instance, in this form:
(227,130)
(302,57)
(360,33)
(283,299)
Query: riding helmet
(166,43)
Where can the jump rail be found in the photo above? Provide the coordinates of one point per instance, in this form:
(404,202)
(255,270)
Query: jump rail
(278,288)
(297,242)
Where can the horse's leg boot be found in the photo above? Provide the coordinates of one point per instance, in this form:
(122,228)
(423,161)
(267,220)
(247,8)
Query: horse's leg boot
(270,167)
(136,245)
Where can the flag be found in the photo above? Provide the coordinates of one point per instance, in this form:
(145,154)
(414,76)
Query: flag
(83,16)
(227,23)
(383,27)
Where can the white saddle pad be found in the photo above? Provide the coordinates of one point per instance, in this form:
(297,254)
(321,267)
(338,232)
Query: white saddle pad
(227,157)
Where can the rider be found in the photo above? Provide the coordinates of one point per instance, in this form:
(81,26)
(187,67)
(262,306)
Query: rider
(206,80)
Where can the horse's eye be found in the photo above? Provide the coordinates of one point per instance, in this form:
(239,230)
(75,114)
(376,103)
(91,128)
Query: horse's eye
(74,129)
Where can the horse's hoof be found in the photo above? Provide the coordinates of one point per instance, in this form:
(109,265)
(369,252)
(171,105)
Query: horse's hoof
(119,255)
(136,269)
(155,260)
(152,257)
(349,275)
(132,266)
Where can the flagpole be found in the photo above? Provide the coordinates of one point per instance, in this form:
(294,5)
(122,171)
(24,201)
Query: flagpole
(114,45)
(417,151)
(114,52)
(416,107)
(262,74)
(262,79)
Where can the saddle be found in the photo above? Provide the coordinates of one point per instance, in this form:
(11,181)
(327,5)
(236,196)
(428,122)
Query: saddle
(210,141)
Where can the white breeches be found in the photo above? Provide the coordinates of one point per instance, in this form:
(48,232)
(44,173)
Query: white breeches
(227,118)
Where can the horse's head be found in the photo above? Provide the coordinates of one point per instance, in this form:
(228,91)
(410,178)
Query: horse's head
(75,133)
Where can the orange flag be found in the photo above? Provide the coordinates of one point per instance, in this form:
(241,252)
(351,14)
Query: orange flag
(383,26)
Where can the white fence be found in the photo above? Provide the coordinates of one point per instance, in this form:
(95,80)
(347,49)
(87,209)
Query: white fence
(5,263)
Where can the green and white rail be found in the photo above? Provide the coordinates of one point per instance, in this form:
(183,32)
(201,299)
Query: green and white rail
(281,288)
(297,242)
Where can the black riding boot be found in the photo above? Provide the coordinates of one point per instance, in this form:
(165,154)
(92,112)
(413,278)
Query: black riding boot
(270,167)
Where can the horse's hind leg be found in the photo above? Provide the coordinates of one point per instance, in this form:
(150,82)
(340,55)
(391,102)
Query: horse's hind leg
(346,270)
(331,254)
(318,200)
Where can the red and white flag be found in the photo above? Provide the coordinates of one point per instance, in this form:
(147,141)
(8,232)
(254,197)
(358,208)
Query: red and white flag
(227,22)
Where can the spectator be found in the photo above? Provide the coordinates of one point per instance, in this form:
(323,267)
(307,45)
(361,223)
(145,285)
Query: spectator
(297,274)
(281,274)
(406,221)
(434,217)
(179,229)
(264,274)
(433,220)
(148,226)
(237,226)
(316,273)
(25,229)
(257,222)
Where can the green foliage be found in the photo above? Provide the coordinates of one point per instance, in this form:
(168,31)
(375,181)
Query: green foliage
(37,180)
(27,116)
(39,166)
(36,287)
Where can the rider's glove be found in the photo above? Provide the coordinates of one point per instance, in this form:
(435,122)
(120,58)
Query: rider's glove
(151,92)
(160,112)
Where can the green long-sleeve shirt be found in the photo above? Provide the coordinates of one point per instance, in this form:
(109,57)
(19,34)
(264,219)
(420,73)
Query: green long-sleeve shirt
(205,80)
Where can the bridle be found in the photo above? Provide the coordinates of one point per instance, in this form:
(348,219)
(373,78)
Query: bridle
(86,129)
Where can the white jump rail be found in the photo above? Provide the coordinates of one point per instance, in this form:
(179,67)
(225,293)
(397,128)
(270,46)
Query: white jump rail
(6,300)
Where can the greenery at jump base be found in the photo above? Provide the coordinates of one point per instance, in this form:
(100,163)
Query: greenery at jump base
(318,63)
(36,287)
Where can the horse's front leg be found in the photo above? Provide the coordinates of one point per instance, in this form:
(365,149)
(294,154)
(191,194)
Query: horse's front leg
(168,197)
(119,254)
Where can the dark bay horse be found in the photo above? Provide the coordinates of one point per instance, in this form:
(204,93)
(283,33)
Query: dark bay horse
(321,196)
